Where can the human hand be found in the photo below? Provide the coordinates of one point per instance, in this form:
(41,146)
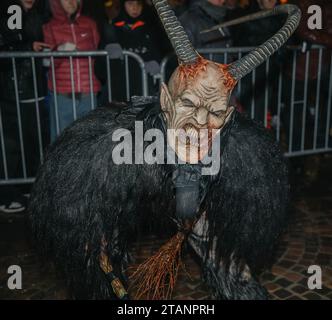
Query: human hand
(114,51)
(68,46)
(152,67)
(39,46)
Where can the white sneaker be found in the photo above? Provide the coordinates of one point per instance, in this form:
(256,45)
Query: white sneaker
(13,207)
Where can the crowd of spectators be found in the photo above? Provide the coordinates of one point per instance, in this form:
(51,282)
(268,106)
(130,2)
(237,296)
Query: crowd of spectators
(114,26)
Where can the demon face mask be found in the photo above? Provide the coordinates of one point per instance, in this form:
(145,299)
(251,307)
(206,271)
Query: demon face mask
(195,103)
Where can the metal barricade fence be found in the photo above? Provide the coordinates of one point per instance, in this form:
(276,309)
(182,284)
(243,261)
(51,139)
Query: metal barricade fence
(302,107)
(293,100)
(7,176)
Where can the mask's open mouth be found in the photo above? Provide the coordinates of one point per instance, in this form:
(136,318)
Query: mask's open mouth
(191,135)
(190,143)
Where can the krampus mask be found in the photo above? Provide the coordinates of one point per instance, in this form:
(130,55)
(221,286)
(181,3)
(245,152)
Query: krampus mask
(198,93)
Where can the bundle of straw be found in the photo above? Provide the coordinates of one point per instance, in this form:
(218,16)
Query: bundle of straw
(156,277)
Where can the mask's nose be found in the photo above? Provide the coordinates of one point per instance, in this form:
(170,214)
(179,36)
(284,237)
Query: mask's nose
(201,116)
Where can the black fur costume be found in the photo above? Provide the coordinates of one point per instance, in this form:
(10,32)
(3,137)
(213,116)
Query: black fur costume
(81,196)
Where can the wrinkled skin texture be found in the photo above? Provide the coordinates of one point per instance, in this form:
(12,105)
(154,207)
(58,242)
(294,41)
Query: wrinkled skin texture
(196,101)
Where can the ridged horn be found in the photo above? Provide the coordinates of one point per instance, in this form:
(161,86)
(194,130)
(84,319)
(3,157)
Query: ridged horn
(175,32)
(252,60)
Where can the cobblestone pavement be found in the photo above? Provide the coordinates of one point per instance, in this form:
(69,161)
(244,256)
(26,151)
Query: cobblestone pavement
(308,241)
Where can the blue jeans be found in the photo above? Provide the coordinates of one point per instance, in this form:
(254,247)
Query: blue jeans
(65,111)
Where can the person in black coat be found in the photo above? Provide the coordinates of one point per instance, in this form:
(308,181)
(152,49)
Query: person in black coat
(134,29)
(26,104)
(202,15)
(251,34)
(28,39)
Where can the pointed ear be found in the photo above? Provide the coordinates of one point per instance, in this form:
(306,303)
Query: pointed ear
(166,101)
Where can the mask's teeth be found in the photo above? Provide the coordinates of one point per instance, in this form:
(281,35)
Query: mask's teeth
(192,132)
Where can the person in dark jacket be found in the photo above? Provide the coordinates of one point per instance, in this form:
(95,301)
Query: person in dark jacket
(30,38)
(132,30)
(202,15)
(22,107)
(257,32)
(253,98)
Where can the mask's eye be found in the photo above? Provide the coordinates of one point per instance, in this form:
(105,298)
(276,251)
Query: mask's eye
(217,113)
(187,103)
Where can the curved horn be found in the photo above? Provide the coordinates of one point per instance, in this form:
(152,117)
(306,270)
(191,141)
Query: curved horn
(249,62)
(176,34)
